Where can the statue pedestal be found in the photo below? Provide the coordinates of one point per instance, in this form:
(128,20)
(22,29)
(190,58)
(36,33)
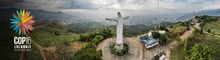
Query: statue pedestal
(119,47)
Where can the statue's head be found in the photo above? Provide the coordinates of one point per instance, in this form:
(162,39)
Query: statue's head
(119,14)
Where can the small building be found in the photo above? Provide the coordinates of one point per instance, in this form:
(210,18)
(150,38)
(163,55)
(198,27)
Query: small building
(192,23)
(162,32)
(151,43)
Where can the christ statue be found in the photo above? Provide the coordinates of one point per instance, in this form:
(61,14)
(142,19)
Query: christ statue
(119,30)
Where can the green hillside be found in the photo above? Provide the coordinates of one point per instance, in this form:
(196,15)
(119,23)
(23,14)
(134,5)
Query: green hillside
(51,34)
(7,43)
(203,44)
(212,26)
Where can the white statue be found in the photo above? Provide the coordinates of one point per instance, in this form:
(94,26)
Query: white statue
(150,34)
(119,30)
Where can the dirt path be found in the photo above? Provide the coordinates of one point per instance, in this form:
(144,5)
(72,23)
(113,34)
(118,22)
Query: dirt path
(198,27)
(41,49)
(48,49)
(183,37)
(187,34)
(211,34)
(52,49)
(77,47)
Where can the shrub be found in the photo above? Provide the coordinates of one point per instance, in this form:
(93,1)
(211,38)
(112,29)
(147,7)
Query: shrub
(84,37)
(123,52)
(209,31)
(97,39)
(156,35)
(162,27)
(163,39)
(188,27)
(88,53)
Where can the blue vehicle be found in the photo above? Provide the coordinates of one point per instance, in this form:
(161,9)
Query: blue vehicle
(149,42)
(143,38)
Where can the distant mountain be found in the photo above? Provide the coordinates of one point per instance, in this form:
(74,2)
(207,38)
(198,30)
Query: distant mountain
(46,16)
(214,12)
(83,23)
(148,20)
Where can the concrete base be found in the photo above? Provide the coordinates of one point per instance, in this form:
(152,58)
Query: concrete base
(119,47)
(135,49)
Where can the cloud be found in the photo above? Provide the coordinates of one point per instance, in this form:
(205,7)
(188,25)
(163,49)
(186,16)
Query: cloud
(144,6)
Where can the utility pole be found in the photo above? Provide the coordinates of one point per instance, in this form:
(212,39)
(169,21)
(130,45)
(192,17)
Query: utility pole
(158,14)
(201,11)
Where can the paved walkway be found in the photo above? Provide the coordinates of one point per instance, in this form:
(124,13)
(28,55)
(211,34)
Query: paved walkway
(134,52)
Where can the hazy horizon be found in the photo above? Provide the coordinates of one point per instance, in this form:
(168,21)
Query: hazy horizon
(100,9)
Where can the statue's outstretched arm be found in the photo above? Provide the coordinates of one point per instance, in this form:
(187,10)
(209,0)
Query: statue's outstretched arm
(112,19)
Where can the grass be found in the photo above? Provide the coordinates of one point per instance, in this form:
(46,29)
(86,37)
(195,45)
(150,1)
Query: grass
(7,43)
(204,39)
(175,29)
(178,52)
(196,38)
(178,28)
(34,54)
(214,26)
(45,35)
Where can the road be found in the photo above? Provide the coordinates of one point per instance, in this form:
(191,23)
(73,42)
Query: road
(150,52)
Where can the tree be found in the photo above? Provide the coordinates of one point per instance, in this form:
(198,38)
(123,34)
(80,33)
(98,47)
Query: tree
(83,37)
(201,31)
(171,26)
(209,31)
(156,35)
(88,53)
(163,39)
(200,52)
(106,33)
(204,16)
(196,17)
(97,39)
(162,27)
(178,39)
(188,27)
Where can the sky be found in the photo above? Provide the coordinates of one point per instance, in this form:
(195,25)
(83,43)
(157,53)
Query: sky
(109,8)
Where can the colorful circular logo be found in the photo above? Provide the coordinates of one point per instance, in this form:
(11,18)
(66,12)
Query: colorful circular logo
(22,22)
